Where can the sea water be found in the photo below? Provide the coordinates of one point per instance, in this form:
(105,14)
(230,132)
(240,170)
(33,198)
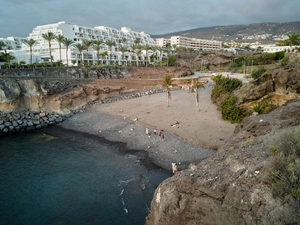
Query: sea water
(72,178)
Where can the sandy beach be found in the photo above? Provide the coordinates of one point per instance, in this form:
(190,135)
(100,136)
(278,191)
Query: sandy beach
(197,136)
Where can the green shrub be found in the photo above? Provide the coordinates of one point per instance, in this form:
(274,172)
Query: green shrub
(230,111)
(259,107)
(284,60)
(223,86)
(264,107)
(282,172)
(257,72)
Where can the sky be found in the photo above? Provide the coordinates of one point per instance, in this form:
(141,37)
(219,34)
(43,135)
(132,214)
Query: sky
(19,17)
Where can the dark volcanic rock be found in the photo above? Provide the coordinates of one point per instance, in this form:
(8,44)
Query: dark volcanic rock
(227,188)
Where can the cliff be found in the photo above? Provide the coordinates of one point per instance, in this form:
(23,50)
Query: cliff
(230,187)
(227,188)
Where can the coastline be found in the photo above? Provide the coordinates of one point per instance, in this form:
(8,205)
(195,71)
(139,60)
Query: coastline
(196,137)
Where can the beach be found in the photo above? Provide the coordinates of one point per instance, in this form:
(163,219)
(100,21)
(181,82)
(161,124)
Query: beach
(197,135)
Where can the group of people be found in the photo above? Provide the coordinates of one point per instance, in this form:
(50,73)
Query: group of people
(160,133)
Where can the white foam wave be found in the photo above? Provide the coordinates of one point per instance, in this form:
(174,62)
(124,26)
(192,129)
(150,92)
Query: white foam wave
(124,206)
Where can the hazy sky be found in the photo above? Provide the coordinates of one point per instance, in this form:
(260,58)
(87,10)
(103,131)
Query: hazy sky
(19,17)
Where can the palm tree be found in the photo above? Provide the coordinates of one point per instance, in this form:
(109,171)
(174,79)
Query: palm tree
(2,45)
(168,50)
(167,82)
(195,87)
(147,48)
(49,37)
(67,43)
(293,39)
(110,44)
(104,54)
(87,44)
(97,46)
(7,57)
(79,47)
(138,52)
(30,43)
(137,41)
(59,38)
(122,49)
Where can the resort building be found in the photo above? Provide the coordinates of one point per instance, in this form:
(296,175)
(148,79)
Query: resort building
(13,46)
(196,44)
(186,42)
(272,49)
(162,42)
(13,43)
(121,39)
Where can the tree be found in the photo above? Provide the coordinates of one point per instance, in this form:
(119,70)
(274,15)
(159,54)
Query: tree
(122,49)
(138,52)
(30,43)
(97,47)
(147,48)
(137,41)
(293,39)
(104,54)
(87,44)
(110,44)
(7,57)
(59,38)
(49,37)
(2,45)
(67,43)
(167,49)
(79,47)
(195,87)
(167,82)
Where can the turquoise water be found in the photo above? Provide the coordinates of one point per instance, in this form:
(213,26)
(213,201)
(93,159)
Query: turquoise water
(63,177)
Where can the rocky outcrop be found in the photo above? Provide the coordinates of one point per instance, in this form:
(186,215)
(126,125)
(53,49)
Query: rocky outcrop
(49,96)
(227,188)
(213,61)
(283,83)
(27,121)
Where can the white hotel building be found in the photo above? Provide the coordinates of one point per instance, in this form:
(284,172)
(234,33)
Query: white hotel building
(194,43)
(78,33)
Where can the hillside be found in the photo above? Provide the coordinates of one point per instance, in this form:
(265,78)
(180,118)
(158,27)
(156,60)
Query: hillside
(261,32)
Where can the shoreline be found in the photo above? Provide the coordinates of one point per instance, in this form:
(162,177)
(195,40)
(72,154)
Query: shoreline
(117,131)
(196,137)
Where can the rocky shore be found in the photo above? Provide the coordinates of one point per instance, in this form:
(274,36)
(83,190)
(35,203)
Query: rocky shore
(28,121)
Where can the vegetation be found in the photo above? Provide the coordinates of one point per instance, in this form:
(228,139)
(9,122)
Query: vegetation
(282,172)
(222,95)
(195,87)
(293,39)
(30,43)
(167,82)
(67,43)
(59,38)
(257,72)
(230,111)
(7,57)
(224,85)
(49,37)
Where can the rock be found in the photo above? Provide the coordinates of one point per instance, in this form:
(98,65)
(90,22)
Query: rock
(227,187)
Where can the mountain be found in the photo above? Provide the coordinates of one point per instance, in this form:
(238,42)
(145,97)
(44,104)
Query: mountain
(257,32)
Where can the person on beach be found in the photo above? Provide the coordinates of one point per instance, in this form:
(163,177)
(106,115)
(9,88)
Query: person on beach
(154,131)
(147,131)
(160,133)
(174,167)
(162,137)
(175,124)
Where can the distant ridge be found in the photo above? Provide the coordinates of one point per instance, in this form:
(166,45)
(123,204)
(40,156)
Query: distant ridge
(255,32)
